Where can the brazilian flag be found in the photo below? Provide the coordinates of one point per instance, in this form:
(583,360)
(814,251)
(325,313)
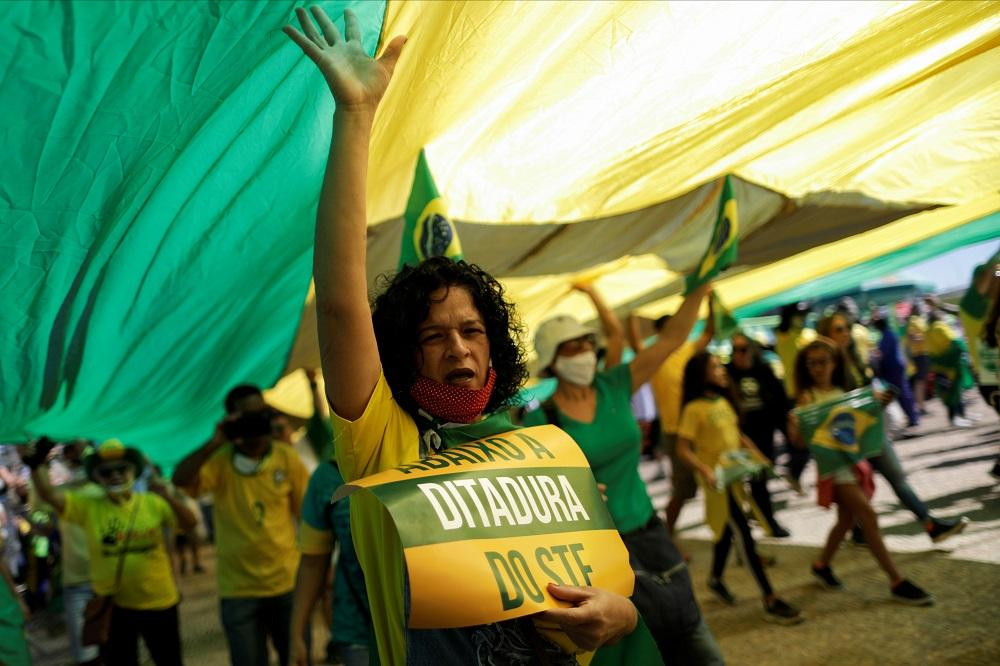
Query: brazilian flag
(427,230)
(725,322)
(843,431)
(721,252)
(734,466)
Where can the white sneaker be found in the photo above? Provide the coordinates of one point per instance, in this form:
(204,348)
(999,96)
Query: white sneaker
(961,422)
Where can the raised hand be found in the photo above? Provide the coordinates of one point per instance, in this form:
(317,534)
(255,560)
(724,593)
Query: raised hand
(356,79)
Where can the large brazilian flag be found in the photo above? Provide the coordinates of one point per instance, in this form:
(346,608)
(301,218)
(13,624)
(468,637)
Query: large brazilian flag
(843,431)
(723,248)
(158,187)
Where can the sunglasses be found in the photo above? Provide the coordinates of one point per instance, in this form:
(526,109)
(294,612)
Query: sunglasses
(818,363)
(740,350)
(106,471)
(839,329)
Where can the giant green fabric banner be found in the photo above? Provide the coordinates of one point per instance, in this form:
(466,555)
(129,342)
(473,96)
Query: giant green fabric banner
(162,163)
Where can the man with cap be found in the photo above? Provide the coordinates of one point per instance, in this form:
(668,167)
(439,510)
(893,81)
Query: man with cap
(128,556)
(258,482)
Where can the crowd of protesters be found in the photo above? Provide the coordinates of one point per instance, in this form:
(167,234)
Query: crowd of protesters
(435,363)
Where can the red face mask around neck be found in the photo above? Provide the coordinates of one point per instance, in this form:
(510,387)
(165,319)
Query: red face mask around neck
(452,403)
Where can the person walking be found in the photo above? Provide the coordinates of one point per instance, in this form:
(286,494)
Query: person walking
(129,561)
(258,483)
(836,328)
(821,376)
(763,410)
(709,429)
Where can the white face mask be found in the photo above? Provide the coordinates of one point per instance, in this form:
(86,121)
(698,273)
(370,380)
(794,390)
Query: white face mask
(245,464)
(119,489)
(577,369)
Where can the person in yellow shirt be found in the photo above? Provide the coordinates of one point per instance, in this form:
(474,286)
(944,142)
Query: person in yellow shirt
(667,388)
(258,483)
(916,349)
(708,431)
(128,555)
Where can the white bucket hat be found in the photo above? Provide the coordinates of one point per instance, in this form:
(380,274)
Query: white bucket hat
(555,331)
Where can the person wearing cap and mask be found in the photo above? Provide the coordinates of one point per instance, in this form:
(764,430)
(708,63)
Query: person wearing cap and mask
(258,482)
(594,408)
(124,526)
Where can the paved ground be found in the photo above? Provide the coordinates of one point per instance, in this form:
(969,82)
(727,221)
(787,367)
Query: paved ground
(948,467)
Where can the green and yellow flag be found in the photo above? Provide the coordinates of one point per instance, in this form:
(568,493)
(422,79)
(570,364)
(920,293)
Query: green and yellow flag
(725,323)
(843,431)
(723,248)
(427,230)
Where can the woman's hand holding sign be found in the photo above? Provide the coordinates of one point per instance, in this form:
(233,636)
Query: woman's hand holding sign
(597,617)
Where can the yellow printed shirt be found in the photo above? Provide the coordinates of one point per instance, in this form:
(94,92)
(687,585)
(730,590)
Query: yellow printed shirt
(667,385)
(255,520)
(147,581)
(713,428)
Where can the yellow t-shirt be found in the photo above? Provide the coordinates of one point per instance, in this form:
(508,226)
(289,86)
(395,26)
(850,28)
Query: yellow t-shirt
(384,436)
(916,330)
(713,428)
(787,346)
(147,581)
(668,386)
(255,520)
(939,338)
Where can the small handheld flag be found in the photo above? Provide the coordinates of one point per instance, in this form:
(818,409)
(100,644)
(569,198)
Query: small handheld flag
(735,466)
(843,431)
(723,248)
(427,230)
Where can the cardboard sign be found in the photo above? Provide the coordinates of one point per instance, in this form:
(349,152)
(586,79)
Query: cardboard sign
(487,525)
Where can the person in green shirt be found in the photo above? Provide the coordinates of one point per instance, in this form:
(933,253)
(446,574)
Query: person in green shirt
(594,409)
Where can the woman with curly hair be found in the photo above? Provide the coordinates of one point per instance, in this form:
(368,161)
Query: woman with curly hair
(434,365)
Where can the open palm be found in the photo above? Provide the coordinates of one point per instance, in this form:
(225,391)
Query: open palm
(355,78)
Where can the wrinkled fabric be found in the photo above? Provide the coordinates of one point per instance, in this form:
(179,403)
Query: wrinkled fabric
(162,163)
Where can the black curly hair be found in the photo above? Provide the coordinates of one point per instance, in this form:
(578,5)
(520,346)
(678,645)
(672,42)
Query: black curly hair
(405,303)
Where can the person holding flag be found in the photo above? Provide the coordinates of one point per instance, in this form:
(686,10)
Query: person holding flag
(709,441)
(820,376)
(435,363)
(836,328)
(724,245)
